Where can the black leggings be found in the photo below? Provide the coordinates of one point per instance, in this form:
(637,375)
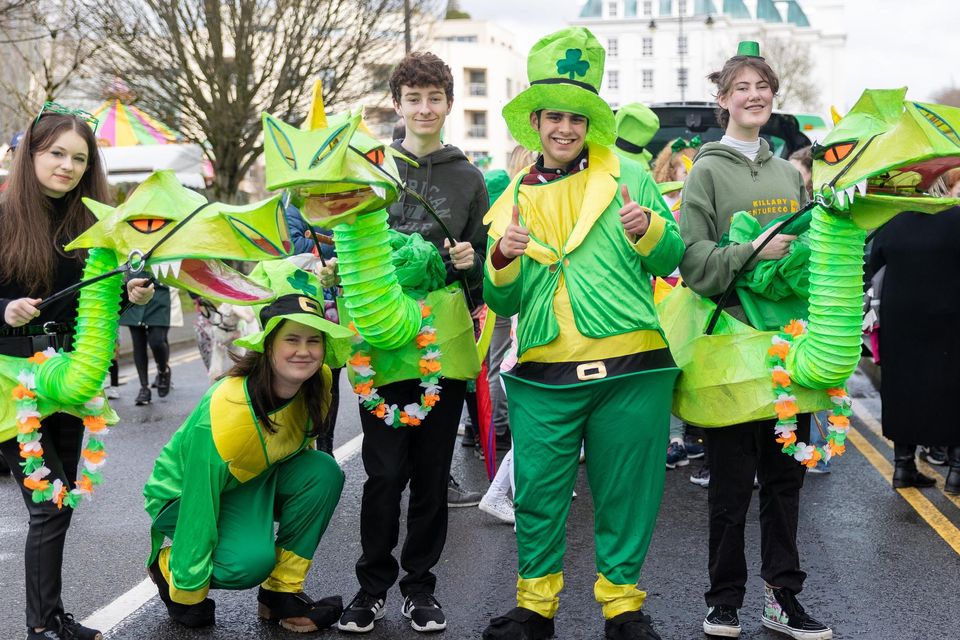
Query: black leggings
(157,338)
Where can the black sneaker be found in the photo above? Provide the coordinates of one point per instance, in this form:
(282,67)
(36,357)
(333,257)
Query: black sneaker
(933,455)
(722,620)
(65,627)
(362,613)
(631,625)
(519,624)
(782,612)
(701,476)
(163,382)
(460,497)
(189,615)
(424,612)
(143,397)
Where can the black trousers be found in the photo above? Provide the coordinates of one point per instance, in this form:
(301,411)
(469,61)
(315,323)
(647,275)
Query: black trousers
(156,337)
(393,457)
(736,454)
(325,442)
(61,437)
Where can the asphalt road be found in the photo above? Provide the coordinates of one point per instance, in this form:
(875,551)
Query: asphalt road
(882,564)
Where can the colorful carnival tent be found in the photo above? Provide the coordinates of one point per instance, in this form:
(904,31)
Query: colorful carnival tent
(124,125)
(134,144)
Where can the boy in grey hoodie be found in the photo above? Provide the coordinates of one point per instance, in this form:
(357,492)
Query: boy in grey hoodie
(422,88)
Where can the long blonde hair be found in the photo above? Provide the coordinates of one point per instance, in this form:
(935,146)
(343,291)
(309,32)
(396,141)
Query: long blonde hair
(669,161)
(520,158)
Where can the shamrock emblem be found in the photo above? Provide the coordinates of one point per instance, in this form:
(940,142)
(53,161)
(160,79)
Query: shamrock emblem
(572,65)
(301,282)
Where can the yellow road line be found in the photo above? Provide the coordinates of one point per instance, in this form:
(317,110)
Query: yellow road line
(874,425)
(937,521)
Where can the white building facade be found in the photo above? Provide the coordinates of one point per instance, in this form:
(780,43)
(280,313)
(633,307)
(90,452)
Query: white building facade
(488,70)
(662,50)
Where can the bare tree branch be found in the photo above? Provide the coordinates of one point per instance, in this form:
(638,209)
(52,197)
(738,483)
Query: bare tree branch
(215,67)
(794,66)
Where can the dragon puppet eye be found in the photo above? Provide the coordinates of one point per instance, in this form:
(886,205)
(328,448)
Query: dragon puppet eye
(148,225)
(375,155)
(838,152)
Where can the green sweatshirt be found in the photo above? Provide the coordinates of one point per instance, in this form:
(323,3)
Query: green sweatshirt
(722,182)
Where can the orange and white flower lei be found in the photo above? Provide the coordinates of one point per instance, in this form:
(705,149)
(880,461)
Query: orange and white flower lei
(413,414)
(31,449)
(785,404)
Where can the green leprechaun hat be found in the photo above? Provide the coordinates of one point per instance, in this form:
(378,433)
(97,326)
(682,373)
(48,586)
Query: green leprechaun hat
(564,69)
(748,49)
(636,126)
(300,299)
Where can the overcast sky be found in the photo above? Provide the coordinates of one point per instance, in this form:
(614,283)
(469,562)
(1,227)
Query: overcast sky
(890,43)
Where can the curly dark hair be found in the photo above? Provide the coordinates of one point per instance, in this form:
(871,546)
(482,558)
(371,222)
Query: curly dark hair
(731,68)
(421,69)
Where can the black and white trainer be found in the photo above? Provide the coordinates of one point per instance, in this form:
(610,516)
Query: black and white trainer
(782,612)
(362,613)
(722,620)
(424,611)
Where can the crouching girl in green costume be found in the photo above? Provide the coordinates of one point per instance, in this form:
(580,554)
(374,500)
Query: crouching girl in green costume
(243,459)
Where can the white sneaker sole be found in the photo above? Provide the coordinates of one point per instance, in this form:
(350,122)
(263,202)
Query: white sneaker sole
(499,514)
(724,631)
(795,633)
(352,627)
(678,463)
(430,626)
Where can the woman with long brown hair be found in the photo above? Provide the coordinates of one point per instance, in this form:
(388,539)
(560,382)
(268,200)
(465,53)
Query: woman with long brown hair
(56,165)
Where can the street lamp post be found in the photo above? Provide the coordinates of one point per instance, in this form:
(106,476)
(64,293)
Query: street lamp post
(681,46)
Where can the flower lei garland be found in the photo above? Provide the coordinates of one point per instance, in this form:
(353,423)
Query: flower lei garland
(411,415)
(786,407)
(31,449)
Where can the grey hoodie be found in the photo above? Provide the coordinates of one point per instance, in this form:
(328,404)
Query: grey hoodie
(455,189)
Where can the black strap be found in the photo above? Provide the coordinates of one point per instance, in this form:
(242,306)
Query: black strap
(722,302)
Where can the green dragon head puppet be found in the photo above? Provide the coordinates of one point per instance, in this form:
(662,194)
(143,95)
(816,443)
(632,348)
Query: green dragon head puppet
(190,256)
(883,156)
(333,169)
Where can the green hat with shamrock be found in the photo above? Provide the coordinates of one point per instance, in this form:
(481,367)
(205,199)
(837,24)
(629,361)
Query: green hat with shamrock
(564,69)
(300,299)
(636,126)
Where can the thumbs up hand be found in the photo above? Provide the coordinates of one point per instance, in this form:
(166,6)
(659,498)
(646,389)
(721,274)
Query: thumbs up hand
(635,219)
(515,237)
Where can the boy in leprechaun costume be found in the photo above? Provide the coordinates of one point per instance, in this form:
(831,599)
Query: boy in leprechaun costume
(573,245)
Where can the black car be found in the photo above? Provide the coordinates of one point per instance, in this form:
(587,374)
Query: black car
(689,119)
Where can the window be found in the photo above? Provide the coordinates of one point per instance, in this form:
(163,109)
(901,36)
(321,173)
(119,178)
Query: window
(477,82)
(476,124)
(648,7)
(613,80)
(612,9)
(682,45)
(613,47)
(682,7)
(648,46)
(648,78)
(682,78)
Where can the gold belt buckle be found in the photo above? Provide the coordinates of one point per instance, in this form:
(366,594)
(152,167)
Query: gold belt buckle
(592,370)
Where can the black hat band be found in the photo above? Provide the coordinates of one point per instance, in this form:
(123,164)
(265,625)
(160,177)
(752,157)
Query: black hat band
(576,83)
(289,304)
(628,146)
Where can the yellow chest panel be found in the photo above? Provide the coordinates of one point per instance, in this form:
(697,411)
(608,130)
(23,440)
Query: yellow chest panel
(246,447)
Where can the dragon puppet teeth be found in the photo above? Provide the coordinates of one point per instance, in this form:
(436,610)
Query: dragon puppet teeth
(862,187)
(379,191)
(171,268)
(850,193)
(842,199)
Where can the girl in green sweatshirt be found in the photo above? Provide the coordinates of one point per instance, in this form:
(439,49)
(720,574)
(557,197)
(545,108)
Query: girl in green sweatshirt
(740,173)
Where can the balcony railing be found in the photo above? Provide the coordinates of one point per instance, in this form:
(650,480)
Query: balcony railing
(477,131)
(478,89)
